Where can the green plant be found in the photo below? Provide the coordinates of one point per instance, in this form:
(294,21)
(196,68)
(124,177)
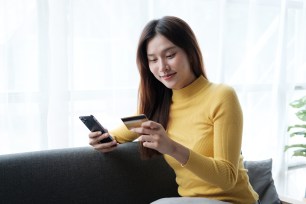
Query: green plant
(298,129)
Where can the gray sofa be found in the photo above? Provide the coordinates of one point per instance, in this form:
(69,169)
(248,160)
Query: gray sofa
(83,175)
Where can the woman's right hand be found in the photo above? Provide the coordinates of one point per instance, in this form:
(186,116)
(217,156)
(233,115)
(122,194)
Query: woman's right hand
(96,137)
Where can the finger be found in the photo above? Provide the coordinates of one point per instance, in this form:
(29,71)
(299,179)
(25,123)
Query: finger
(151,124)
(103,136)
(151,145)
(147,138)
(97,139)
(142,130)
(106,145)
(103,148)
(94,134)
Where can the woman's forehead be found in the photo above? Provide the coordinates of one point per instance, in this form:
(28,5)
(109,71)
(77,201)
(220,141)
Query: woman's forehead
(158,44)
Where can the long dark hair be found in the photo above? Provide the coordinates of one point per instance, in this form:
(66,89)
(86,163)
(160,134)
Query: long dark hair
(154,98)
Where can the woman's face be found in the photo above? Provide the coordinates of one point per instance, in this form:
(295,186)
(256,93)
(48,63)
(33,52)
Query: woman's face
(169,63)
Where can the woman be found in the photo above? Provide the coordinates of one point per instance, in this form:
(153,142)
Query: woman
(195,124)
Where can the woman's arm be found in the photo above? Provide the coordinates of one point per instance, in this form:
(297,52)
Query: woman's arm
(154,136)
(221,168)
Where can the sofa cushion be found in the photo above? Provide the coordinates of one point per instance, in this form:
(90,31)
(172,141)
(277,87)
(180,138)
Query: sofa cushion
(260,176)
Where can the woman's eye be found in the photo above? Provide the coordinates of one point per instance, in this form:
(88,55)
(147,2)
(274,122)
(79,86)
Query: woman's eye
(170,56)
(152,60)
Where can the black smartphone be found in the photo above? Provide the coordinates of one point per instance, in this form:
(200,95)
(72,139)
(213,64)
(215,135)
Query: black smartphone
(93,125)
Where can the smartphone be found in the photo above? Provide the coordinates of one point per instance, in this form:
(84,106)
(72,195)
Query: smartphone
(93,125)
(134,121)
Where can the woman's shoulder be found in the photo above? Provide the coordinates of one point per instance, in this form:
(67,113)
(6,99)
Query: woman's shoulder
(221,89)
(222,95)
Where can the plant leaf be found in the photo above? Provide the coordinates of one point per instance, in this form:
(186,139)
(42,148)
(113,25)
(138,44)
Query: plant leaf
(300,152)
(295,146)
(299,103)
(301,115)
(296,126)
(302,133)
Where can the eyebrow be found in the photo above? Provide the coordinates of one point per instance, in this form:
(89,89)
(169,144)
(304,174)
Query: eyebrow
(165,50)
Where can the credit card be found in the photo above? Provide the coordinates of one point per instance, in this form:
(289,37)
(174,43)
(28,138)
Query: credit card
(134,121)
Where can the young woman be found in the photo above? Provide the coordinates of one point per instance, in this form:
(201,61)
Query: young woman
(195,124)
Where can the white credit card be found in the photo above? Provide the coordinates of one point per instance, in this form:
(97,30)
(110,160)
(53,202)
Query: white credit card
(134,121)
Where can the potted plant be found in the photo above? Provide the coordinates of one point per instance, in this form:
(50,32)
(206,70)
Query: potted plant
(298,129)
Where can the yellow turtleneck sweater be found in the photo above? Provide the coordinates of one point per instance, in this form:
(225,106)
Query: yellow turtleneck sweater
(207,119)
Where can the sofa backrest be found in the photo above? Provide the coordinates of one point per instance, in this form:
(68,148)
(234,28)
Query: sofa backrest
(83,175)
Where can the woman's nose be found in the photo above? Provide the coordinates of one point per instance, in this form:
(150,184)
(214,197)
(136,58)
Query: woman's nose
(163,66)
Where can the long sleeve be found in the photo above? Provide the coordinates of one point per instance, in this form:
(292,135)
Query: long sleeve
(221,169)
(122,134)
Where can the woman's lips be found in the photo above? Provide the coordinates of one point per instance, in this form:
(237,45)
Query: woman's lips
(168,76)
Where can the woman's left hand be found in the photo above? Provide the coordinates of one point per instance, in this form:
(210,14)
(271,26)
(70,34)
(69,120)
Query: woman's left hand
(154,136)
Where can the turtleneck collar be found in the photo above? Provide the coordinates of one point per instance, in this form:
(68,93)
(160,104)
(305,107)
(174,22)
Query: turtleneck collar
(190,90)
